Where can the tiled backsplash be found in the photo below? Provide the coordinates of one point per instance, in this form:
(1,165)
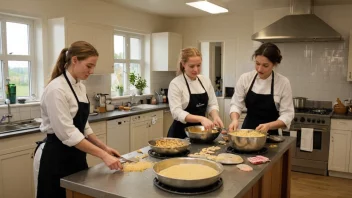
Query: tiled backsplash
(317,71)
(22,112)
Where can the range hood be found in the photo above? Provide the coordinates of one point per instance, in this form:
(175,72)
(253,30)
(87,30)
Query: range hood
(300,26)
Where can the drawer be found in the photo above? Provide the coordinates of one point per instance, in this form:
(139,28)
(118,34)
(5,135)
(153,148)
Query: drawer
(341,124)
(98,127)
(158,114)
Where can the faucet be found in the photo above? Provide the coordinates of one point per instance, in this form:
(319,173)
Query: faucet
(8,115)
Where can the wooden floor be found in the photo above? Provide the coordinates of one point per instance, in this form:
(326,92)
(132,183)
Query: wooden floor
(316,186)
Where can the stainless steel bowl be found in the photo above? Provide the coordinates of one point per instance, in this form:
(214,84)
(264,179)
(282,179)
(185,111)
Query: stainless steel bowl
(199,133)
(169,151)
(181,183)
(247,143)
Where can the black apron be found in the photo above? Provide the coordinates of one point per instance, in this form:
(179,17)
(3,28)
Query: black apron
(197,105)
(59,160)
(260,108)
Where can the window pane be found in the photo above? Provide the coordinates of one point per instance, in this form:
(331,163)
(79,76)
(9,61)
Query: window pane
(119,47)
(135,48)
(19,75)
(135,68)
(17,38)
(1,80)
(118,77)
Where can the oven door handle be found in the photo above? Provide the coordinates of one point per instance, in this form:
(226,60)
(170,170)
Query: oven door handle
(317,130)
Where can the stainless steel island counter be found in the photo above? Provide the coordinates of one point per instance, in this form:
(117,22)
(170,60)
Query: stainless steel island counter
(266,180)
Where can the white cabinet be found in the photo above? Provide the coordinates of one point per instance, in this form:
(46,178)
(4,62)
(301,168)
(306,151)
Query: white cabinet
(155,129)
(99,129)
(349,73)
(118,134)
(139,135)
(168,120)
(340,150)
(221,108)
(63,32)
(166,47)
(227,119)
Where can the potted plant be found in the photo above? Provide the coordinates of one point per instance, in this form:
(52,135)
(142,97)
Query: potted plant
(120,89)
(138,82)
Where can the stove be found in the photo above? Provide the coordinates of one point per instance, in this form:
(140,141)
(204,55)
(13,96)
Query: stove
(316,115)
(188,191)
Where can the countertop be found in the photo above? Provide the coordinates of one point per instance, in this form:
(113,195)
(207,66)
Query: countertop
(96,118)
(347,116)
(100,181)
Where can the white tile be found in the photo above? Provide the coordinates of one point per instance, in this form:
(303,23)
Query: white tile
(25,109)
(15,109)
(35,108)
(25,115)
(15,116)
(35,114)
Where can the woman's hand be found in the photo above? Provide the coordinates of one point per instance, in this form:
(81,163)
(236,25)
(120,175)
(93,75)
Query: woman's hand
(217,121)
(208,124)
(112,151)
(233,125)
(263,127)
(112,162)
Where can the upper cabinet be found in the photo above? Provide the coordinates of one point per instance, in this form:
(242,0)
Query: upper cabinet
(349,74)
(62,32)
(166,47)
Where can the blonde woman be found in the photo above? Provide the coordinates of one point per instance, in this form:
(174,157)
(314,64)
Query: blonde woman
(191,96)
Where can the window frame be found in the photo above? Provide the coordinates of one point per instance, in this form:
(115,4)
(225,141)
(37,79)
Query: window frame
(5,58)
(128,61)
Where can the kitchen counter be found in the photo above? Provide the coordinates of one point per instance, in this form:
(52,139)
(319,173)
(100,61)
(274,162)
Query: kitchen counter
(100,181)
(96,118)
(342,116)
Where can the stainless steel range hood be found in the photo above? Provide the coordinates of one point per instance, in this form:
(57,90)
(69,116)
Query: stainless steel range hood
(300,26)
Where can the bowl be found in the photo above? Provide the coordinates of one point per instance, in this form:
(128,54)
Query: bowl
(242,143)
(168,151)
(340,110)
(21,101)
(199,134)
(182,183)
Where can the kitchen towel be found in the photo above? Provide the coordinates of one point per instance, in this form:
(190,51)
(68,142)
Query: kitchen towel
(293,133)
(307,139)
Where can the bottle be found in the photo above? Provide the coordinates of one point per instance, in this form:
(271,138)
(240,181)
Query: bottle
(153,100)
(164,99)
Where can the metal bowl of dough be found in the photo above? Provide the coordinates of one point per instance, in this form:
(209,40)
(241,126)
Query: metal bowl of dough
(172,150)
(183,183)
(247,143)
(199,134)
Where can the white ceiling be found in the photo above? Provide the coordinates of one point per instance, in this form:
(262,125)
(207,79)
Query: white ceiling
(178,8)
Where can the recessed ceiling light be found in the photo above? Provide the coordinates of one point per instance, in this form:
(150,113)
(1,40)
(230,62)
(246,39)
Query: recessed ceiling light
(208,6)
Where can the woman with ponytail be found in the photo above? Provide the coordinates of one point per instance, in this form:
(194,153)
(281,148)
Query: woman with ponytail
(191,96)
(65,109)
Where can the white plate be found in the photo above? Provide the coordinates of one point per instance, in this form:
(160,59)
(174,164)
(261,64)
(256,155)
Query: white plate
(229,158)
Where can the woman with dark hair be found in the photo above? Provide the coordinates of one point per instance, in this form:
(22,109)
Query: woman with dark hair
(65,109)
(191,96)
(266,94)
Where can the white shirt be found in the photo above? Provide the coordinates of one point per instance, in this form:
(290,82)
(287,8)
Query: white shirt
(282,94)
(59,107)
(178,95)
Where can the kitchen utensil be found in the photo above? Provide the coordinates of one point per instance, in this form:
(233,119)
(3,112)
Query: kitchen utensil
(198,133)
(181,183)
(299,102)
(169,151)
(21,101)
(339,109)
(110,107)
(247,143)
(131,159)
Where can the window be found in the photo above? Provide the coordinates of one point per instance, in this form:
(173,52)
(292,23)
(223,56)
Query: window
(127,58)
(16,54)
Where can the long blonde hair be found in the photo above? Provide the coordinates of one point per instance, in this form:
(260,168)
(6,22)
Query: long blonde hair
(81,49)
(185,54)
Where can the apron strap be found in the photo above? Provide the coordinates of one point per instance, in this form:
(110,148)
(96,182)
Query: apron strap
(189,90)
(272,84)
(69,83)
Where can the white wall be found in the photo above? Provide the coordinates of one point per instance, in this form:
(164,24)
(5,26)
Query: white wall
(95,11)
(309,76)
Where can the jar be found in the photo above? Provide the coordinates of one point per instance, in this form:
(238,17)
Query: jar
(164,99)
(153,100)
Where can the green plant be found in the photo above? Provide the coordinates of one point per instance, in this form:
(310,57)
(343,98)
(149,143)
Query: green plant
(137,81)
(119,87)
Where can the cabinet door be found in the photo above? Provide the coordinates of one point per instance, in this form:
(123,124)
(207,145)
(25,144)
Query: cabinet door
(168,120)
(227,119)
(339,152)
(16,175)
(139,135)
(101,37)
(156,130)
(119,137)
(349,74)
(175,46)
(92,160)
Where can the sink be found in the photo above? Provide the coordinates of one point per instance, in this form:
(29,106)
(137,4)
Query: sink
(17,126)
(143,106)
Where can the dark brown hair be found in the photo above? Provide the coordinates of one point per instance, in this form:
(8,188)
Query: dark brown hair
(270,51)
(81,49)
(185,54)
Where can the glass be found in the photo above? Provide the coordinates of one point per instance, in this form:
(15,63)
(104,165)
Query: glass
(135,68)
(118,77)
(1,80)
(135,48)
(17,38)
(19,75)
(119,47)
